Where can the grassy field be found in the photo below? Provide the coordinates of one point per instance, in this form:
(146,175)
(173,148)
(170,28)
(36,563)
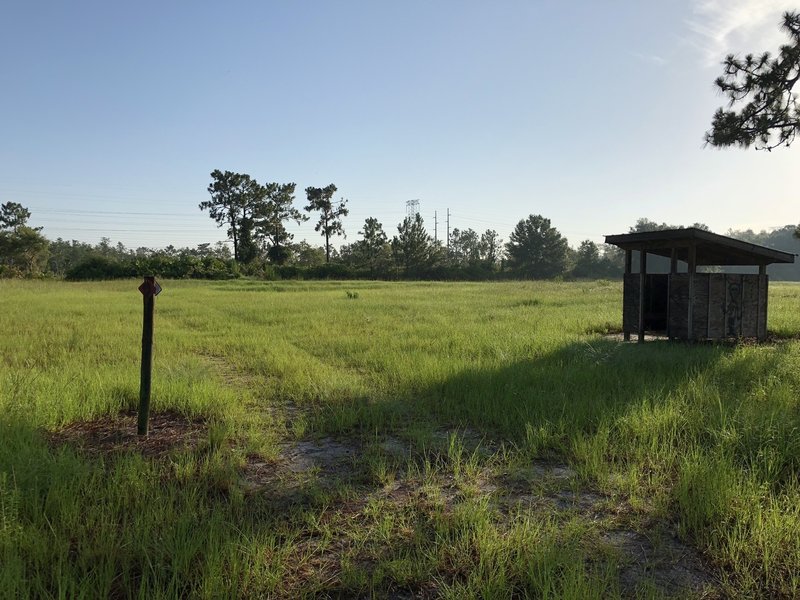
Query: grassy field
(390,440)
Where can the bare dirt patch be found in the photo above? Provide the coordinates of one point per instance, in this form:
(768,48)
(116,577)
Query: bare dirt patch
(326,459)
(551,486)
(661,561)
(169,431)
(325,454)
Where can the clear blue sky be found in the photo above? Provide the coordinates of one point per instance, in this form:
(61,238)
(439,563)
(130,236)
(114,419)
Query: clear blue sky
(590,113)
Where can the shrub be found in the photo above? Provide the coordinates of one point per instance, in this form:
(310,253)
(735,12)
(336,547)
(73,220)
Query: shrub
(100,267)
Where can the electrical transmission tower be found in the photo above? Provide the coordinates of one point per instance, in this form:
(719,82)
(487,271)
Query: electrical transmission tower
(412,209)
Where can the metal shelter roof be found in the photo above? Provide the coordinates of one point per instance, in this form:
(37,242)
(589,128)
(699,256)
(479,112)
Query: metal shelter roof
(711,248)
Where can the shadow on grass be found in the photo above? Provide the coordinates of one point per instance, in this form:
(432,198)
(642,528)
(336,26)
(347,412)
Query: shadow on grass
(187,524)
(574,388)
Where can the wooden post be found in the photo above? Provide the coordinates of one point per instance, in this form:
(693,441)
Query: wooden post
(673,269)
(762,271)
(626,335)
(692,270)
(744,309)
(710,304)
(642,283)
(148,289)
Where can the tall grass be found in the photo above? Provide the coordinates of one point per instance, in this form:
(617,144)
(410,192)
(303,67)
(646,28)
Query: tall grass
(703,436)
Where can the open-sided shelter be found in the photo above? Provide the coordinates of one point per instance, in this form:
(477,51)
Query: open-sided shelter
(692,305)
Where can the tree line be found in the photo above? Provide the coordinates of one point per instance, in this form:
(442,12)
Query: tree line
(256,216)
(260,246)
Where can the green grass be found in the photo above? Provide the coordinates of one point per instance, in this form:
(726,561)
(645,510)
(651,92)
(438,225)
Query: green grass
(474,382)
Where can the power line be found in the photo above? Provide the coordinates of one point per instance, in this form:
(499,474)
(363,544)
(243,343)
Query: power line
(103,212)
(69,221)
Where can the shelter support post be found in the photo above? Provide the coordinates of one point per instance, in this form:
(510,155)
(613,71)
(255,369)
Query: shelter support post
(673,269)
(763,287)
(692,271)
(642,284)
(626,335)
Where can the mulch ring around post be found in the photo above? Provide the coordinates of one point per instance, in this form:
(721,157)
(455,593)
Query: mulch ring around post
(169,431)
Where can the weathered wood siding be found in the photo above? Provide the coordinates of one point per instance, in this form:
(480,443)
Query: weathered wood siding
(716,309)
(679,305)
(725,305)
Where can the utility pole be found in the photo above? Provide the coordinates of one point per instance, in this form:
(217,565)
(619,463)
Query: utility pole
(435,228)
(448,229)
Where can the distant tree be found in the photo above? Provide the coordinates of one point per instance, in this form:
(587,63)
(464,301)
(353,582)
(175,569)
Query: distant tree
(64,254)
(235,197)
(23,250)
(304,254)
(644,224)
(373,250)
(778,237)
(781,238)
(587,260)
(491,248)
(613,260)
(412,248)
(374,237)
(329,224)
(536,248)
(270,218)
(769,114)
(13,216)
(465,247)
(103,247)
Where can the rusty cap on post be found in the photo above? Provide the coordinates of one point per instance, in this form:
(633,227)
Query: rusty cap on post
(150,287)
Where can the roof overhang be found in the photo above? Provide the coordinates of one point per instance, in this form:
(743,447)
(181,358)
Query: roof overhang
(711,248)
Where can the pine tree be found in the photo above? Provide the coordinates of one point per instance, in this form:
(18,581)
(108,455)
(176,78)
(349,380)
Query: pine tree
(770,115)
